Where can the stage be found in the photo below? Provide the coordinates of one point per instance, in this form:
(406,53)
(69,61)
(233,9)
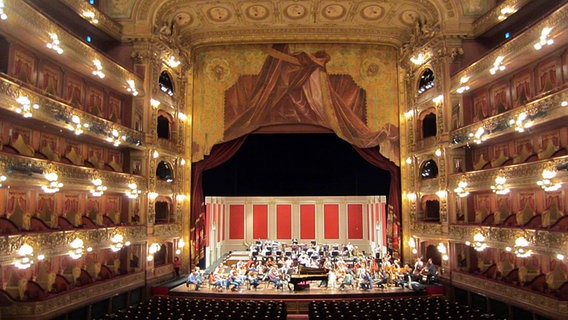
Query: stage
(297,301)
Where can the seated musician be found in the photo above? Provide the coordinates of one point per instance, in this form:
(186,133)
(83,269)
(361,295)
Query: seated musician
(234,280)
(275,277)
(366,280)
(195,278)
(381,277)
(347,280)
(253,279)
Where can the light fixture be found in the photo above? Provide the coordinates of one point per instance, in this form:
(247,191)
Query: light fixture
(408,114)
(54,185)
(499,186)
(132,87)
(564,103)
(182,162)
(182,116)
(560,256)
(3,178)
(181,243)
(54,44)
(117,242)
(506,12)
(173,62)
(441,194)
(3,15)
(152,195)
(443,250)
(419,59)
(411,196)
(520,249)
(77,247)
(460,190)
(479,135)
(152,249)
(154,103)
(478,242)
(132,192)
(99,69)
(548,173)
(438,152)
(25,255)
(437,100)
(90,15)
(76,126)
(520,123)
(26,107)
(463,88)
(409,160)
(544,40)
(98,187)
(155,154)
(114,138)
(497,65)
(180,197)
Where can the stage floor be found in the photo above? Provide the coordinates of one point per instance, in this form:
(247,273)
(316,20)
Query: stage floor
(267,291)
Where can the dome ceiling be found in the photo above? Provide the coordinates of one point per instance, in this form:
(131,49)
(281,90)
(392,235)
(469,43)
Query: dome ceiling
(195,23)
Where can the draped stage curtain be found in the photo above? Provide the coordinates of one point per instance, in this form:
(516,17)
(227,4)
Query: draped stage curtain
(219,155)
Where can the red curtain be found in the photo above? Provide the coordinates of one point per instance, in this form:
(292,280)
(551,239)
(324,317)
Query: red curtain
(219,155)
(374,157)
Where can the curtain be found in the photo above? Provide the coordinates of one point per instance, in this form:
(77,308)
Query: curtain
(219,155)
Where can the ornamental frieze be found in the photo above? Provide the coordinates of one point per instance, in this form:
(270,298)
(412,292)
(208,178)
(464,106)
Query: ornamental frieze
(167,231)
(426,229)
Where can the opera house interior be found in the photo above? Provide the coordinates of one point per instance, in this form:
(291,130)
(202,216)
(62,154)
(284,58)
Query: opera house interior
(140,139)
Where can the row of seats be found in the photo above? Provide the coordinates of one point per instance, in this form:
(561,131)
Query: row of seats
(422,308)
(168,308)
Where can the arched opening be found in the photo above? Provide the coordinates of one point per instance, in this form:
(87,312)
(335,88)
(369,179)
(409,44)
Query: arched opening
(163,127)
(162,211)
(429,128)
(426,81)
(166,84)
(429,170)
(164,172)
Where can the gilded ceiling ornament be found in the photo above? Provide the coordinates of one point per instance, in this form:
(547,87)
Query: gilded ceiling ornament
(219,14)
(334,11)
(372,12)
(295,11)
(257,12)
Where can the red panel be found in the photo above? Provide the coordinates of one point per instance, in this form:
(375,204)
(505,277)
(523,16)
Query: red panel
(207,223)
(331,221)
(284,221)
(355,221)
(260,221)
(219,222)
(307,221)
(236,221)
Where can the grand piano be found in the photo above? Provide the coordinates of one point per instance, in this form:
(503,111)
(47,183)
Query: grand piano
(301,279)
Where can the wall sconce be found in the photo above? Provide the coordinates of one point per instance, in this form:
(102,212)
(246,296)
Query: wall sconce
(98,69)
(180,197)
(182,116)
(420,58)
(499,186)
(412,244)
(460,190)
(478,242)
(3,16)
(463,87)
(154,103)
(560,257)
(497,65)
(77,247)
(506,12)
(98,189)
(173,62)
(53,185)
(443,250)
(544,40)
(409,160)
(25,255)
(26,107)
(155,154)
(479,135)
(3,178)
(520,123)
(90,15)
(408,114)
(114,138)
(152,195)
(564,103)
(441,194)
(76,126)
(438,100)
(117,242)
(181,244)
(411,196)
(54,44)
(548,173)
(521,250)
(133,191)
(131,87)
(152,249)
(182,162)
(438,152)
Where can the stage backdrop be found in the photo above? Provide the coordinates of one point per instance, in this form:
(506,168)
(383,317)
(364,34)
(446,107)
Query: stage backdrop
(236,222)
(349,89)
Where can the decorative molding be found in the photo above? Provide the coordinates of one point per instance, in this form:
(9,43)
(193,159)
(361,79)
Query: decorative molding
(524,298)
(73,299)
(167,231)
(105,23)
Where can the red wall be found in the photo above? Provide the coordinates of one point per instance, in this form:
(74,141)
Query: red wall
(284,221)
(260,221)
(307,221)
(236,221)
(331,221)
(355,221)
